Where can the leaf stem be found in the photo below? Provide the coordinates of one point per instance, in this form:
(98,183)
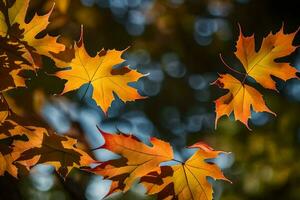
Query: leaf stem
(244,79)
(178,161)
(220,55)
(86,90)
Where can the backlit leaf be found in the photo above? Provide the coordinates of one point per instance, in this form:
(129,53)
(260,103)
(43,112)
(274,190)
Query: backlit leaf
(99,72)
(137,159)
(239,100)
(20,48)
(187,180)
(261,65)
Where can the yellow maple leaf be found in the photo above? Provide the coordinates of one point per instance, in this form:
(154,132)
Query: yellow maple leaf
(187,180)
(14,28)
(261,65)
(44,45)
(99,72)
(239,99)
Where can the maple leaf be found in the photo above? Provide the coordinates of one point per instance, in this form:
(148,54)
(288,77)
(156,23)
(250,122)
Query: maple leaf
(239,99)
(44,45)
(186,180)
(137,159)
(58,151)
(99,72)
(261,65)
(18,40)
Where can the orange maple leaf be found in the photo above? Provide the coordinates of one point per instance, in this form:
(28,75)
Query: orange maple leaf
(99,72)
(187,180)
(261,65)
(137,159)
(239,99)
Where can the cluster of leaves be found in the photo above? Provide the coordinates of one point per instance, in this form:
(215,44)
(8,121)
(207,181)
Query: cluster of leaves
(185,180)
(260,65)
(24,144)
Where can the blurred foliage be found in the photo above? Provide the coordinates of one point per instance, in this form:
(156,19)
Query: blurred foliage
(177,42)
